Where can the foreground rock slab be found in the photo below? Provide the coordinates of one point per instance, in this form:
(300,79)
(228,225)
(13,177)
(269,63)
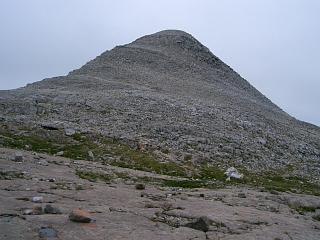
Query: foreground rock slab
(120,211)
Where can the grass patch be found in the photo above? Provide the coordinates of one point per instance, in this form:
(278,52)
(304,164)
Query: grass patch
(10,175)
(303,209)
(36,143)
(94,176)
(207,172)
(316,217)
(144,161)
(292,184)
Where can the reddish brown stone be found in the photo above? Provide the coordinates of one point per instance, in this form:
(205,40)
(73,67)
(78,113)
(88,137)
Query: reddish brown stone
(80,215)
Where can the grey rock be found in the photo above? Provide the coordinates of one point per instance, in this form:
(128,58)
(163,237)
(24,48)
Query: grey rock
(201,224)
(232,172)
(59,153)
(47,232)
(37,199)
(242,195)
(90,156)
(27,212)
(43,162)
(48,209)
(69,131)
(18,157)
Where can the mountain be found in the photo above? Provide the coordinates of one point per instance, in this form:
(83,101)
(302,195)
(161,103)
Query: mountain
(169,95)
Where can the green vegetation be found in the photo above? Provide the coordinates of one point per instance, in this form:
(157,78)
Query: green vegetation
(124,155)
(9,175)
(37,144)
(303,209)
(207,172)
(276,181)
(316,217)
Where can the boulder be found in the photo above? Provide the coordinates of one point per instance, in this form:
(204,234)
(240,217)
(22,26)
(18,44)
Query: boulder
(80,215)
(232,172)
(48,209)
(69,131)
(60,153)
(201,224)
(90,156)
(18,157)
(47,232)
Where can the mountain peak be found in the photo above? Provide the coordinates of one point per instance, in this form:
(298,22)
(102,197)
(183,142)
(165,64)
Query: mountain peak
(171,32)
(170,38)
(170,91)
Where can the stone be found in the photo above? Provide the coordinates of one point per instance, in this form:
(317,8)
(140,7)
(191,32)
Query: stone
(43,162)
(18,157)
(27,212)
(37,210)
(60,153)
(37,199)
(201,224)
(262,141)
(27,147)
(90,156)
(80,215)
(69,131)
(140,186)
(51,180)
(242,195)
(232,172)
(48,209)
(47,232)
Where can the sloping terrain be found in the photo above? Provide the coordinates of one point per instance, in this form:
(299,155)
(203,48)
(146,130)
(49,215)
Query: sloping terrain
(140,138)
(168,92)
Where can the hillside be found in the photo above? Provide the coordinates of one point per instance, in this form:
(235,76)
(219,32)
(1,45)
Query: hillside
(169,93)
(139,143)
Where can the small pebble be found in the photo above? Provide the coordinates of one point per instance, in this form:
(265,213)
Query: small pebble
(37,199)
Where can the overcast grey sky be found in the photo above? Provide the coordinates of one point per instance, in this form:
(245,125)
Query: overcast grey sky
(274,44)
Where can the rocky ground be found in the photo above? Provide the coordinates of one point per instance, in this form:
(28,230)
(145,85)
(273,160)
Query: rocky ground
(121,203)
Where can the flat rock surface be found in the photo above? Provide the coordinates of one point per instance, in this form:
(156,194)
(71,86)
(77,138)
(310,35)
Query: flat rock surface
(120,211)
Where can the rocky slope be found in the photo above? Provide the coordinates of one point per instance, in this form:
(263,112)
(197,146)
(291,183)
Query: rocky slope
(135,145)
(169,92)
